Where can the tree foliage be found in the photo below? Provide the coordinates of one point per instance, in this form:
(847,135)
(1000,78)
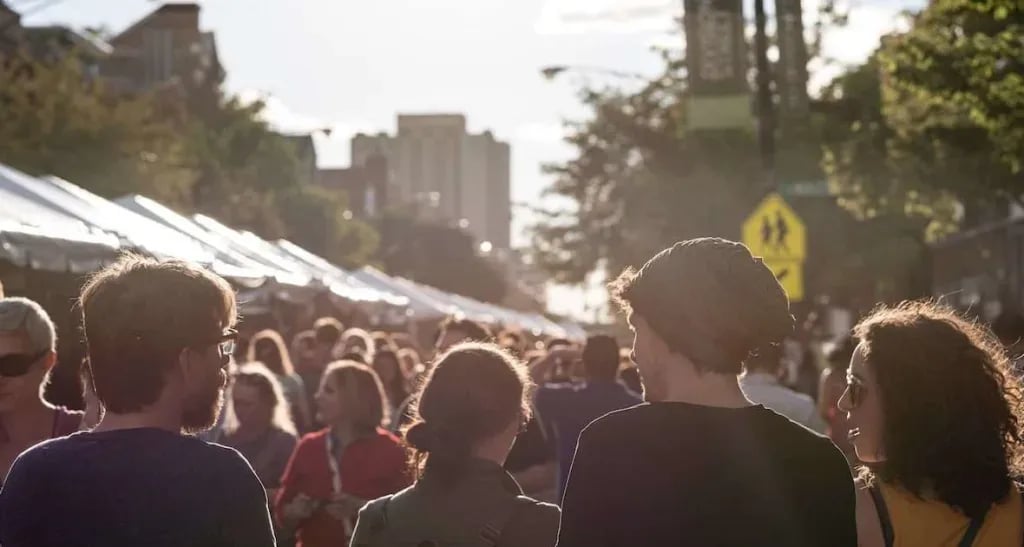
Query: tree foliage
(196,150)
(438,255)
(56,120)
(932,126)
(639,182)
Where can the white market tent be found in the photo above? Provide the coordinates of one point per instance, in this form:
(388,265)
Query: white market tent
(133,231)
(339,280)
(490,313)
(285,272)
(50,223)
(35,233)
(224,254)
(38,236)
(421,306)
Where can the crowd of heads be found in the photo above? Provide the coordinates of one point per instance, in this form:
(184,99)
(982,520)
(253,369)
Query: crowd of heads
(933,402)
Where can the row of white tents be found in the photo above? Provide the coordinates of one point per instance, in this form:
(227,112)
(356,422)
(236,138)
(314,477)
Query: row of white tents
(47,223)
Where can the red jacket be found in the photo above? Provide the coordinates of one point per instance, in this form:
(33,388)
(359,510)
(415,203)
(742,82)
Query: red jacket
(370,468)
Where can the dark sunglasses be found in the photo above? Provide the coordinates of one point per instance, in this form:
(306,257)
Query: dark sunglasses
(13,365)
(856,389)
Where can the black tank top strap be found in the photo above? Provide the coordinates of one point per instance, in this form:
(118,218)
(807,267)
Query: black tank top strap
(972,530)
(888,534)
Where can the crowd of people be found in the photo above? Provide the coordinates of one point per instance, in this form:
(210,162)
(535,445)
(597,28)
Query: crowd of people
(699,435)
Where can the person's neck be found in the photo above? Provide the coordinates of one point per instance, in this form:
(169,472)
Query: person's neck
(150,417)
(763,375)
(495,449)
(23,422)
(344,433)
(684,384)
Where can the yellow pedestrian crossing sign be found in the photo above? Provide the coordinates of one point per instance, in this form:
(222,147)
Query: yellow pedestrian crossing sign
(790,275)
(775,233)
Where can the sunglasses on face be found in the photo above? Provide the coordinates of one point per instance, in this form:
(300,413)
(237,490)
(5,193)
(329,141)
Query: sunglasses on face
(855,390)
(13,365)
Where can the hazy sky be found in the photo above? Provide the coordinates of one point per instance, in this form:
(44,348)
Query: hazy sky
(351,65)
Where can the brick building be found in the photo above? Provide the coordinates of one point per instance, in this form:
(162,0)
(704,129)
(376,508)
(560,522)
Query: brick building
(165,48)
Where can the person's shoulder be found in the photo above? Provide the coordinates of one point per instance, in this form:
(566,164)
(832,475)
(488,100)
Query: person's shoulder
(386,438)
(376,510)
(48,450)
(617,421)
(281,436)
(314,438)
(533,523)
(540,510)
(815,448)
(784,427)
(561,387)
(215,452)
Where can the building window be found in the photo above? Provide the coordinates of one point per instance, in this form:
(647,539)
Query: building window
(158,45)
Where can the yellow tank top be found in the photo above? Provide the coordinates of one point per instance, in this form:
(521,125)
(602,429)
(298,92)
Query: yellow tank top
(918,523)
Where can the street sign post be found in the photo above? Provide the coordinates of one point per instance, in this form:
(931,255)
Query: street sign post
(716,58)
(777,234)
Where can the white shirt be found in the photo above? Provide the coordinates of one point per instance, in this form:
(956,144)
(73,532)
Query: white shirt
(765,389)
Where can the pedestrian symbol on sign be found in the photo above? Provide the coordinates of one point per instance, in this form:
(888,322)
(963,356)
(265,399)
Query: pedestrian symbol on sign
(774,232)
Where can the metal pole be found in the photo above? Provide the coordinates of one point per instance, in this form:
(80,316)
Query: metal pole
(765,104)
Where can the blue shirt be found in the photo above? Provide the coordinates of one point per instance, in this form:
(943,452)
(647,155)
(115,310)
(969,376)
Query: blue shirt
(133,487)
(568,408)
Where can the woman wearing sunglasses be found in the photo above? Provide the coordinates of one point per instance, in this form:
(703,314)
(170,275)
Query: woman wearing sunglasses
(935,417)
(27,342)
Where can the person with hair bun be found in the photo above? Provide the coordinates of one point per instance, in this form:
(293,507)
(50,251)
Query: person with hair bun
(699,464)
(469,411)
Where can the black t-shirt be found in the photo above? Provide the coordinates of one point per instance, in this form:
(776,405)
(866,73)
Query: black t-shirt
(533,446)
(679,474)
(130,488)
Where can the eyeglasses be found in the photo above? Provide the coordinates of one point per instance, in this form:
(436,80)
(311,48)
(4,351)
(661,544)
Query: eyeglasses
(226,343)
(855,389)
(13,365)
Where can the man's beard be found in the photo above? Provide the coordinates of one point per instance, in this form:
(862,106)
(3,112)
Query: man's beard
(202,409)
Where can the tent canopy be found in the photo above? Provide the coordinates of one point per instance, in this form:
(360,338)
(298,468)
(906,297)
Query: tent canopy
(341,281)
(37,234)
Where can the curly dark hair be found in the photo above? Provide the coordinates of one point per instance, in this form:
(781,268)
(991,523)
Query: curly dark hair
(710,300)
(952,410)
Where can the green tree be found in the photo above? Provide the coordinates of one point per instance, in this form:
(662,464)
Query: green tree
(639,182)
(438,255)
(319,220)
(933,124)
(56,120)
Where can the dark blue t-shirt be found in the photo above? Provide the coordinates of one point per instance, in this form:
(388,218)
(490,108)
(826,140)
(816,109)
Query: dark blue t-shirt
(568,408)
(131,488)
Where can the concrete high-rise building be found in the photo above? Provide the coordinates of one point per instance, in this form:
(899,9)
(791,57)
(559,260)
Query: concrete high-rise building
(437,166)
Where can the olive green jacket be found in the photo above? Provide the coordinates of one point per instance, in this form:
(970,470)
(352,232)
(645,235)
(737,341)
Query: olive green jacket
(483,508)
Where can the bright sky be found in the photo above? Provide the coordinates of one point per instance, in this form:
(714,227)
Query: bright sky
(352,65)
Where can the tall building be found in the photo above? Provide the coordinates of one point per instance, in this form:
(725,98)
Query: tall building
(164,48)
(435,165)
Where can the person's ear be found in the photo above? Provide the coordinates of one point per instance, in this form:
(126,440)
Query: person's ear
(187,363)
